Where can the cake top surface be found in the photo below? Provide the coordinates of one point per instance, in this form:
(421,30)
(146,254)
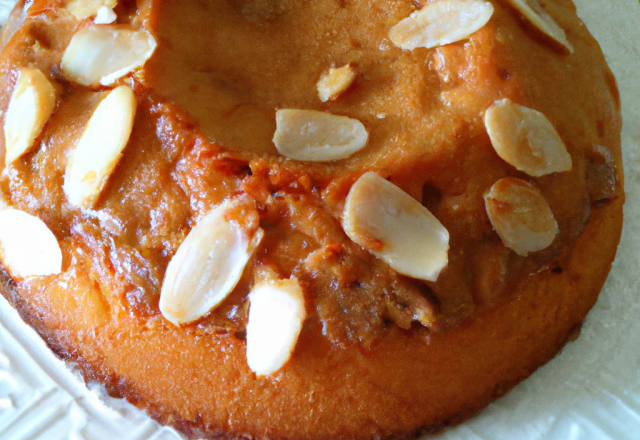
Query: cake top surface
(209,102)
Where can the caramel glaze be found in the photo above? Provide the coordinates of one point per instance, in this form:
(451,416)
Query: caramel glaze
(235,66)
(206,112)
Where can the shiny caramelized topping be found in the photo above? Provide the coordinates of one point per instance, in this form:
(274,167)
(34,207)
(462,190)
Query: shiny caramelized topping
(32,103)
(521,216)
(276,315)
(100,147)
(210,261)
(526,139)
(440,23)
(602,175)
(82,9)
(102,54)
(532,10)
(27,246)
(359,251)
(382,218)
(335,82)
(317,136)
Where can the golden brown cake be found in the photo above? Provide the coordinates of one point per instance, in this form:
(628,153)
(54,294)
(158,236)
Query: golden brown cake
(283,219)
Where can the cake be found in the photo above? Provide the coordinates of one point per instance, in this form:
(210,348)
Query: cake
(328,219)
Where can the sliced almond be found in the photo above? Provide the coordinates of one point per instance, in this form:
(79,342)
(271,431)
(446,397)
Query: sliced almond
(521,216)
(534,12)
(102,54)
(82,9)
(317,136)
(100,147)
(210,261)
(32,103)
(335,82)
(105,15)
(440,23)
(27,246)
(276,314)
(391,224)
(526,139)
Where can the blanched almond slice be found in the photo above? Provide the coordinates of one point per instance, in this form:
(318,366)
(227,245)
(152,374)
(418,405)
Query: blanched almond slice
(391,224)
(32,103)
(276,314)
(210,261)
(100,147)
(105,16)
(440,23)
(102,54)
(82,9)
(335,82)
(521,216)
(27,246)
(317,136)
(532,10)
(526,139)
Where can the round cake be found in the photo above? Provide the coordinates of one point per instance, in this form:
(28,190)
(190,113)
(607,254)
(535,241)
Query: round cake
(277,219)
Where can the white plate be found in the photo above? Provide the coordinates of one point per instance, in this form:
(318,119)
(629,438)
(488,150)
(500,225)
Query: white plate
(591,391)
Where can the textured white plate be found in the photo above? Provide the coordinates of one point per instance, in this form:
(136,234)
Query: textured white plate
(591,391)
(40,398)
